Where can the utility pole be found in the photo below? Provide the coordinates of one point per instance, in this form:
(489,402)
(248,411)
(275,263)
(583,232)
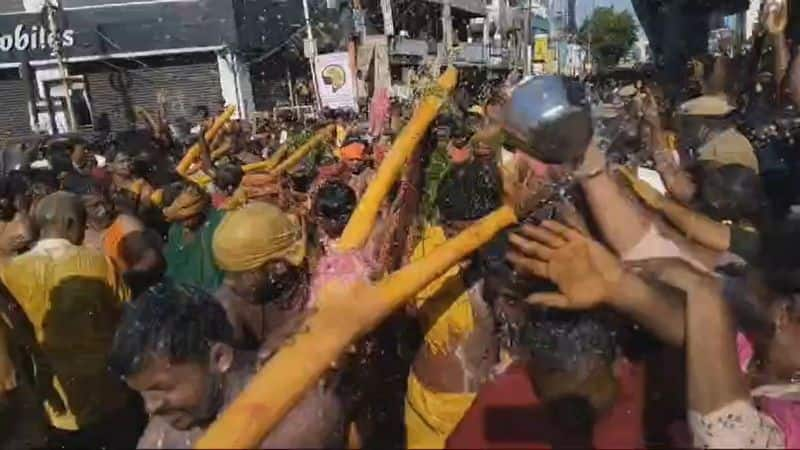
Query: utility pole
(53,9)
(527,49)
(447,26)
(311,53)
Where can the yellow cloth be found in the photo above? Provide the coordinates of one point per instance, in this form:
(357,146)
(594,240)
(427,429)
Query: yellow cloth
(341,135)
(729,147)
(188,204)
(73,299)
(431,416)
(256,234)
(446,311)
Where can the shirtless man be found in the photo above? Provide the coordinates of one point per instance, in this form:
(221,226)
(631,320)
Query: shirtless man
(174,346)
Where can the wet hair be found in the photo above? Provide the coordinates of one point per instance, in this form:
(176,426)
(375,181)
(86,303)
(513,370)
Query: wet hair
(469,191)
(229,176)
(779,258)
(176,321)
(136,247)
(732,192)
(563,340)
(335,201)
(7,199)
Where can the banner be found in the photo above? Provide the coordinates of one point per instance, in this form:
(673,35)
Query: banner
(335,82)
(540,49)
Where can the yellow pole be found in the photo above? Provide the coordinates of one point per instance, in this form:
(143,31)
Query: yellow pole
(269,163)
(337,324)
(211,133)
(321,136)
(363,219)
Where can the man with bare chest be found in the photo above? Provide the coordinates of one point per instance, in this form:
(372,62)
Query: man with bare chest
(174,348)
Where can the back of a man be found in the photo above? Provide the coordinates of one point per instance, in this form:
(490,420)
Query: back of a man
(70,295)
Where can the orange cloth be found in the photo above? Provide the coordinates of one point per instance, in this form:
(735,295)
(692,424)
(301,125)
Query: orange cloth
(122,226)
(353,152)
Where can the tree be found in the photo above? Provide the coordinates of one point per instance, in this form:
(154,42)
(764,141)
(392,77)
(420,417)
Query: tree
(611,35)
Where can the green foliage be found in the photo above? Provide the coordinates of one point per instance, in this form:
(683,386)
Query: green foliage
(611,35)
(437,167)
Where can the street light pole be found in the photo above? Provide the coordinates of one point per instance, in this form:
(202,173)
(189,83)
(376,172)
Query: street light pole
(311,54)
(53,8)
(527,49)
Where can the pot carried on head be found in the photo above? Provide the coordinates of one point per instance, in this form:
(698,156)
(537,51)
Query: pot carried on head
(548,117)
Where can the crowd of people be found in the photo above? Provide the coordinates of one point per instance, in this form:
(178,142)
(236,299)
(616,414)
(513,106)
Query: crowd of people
(647,298)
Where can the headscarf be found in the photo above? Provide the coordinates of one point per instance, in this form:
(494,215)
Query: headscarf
(353,152)
(257,234)
(189,203)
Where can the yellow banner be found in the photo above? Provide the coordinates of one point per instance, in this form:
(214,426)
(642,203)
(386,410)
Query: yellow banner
(540,49)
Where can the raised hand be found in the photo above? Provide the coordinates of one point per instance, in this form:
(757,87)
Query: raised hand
(649,195)
(775,16)
(585,272)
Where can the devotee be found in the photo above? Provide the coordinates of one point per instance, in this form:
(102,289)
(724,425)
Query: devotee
(459,348)
(175,346)
(266,276)
(72,297)
(189,254)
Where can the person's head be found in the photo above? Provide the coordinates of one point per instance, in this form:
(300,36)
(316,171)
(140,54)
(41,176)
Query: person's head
(187,205)
(467,193)
(143,260)
(228,178)
(99,207)
(333,204)
(572,359)
(43,183)
(61,215)
(264,266)
(173,346)
(731,192)
(16,231)
(774,318)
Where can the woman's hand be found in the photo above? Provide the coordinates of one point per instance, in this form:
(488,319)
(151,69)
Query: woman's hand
(586,273)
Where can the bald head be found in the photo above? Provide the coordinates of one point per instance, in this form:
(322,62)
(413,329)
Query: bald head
(61,215)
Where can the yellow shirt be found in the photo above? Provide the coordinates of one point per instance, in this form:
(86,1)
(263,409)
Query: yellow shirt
(73,299)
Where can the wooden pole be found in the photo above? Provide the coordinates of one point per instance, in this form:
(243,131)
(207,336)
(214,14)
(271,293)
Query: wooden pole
(363,219)
(339,322)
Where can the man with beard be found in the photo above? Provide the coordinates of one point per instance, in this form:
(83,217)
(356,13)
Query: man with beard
(265,283)
(106,228)
(175,347)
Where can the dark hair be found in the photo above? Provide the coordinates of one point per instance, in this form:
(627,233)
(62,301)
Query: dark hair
(469,191)
(176,321)
(135,247)
(561,340)
(334,199)
(7,199)
(779,258)
(229,176)
(732,192)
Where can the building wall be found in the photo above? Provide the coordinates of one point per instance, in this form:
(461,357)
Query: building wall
(187,84)
(14,119)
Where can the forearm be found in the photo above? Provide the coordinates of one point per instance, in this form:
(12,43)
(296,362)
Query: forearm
(781,60)
(677,181)
(657,309)
(714,377)
(621,222)
(697,227)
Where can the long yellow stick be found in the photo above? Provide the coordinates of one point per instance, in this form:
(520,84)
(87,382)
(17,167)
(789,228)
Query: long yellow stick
(269,163)
(321,136)
(211,133)
(363,219)
(338,323)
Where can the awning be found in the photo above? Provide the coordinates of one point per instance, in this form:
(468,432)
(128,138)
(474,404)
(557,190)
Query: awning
(476,7)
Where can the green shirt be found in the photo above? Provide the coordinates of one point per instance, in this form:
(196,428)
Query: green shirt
(191,260)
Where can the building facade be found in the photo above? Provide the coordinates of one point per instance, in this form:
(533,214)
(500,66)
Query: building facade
(120,55)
